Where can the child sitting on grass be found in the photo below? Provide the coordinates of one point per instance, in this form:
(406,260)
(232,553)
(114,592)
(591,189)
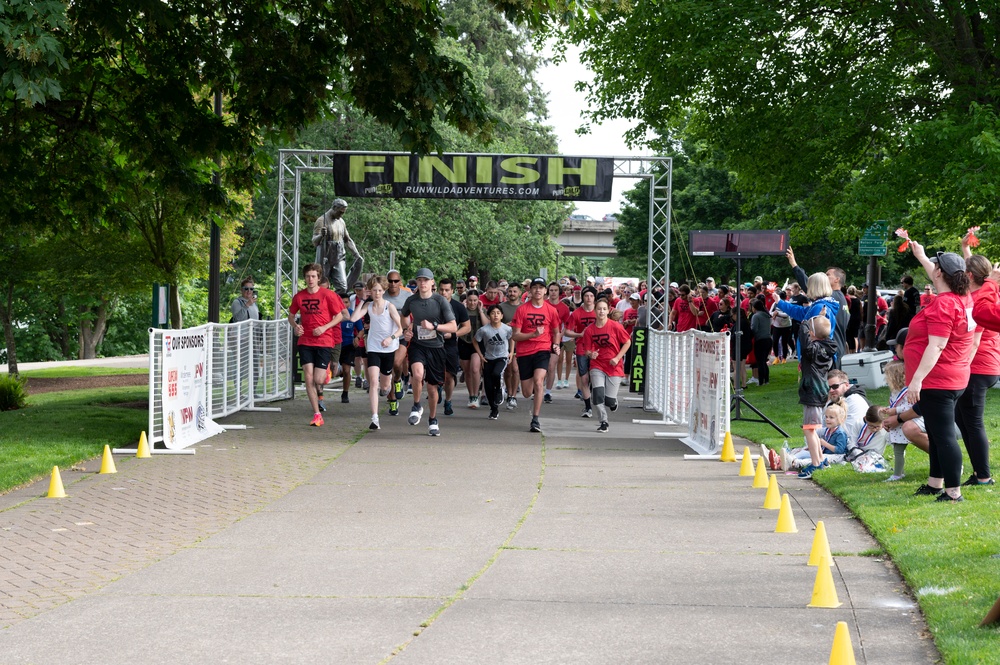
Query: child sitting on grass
(816,360)
(872,437)
(901,432)
(832,440)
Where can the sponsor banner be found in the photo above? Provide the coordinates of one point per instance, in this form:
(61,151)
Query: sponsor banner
(473,176)
(637,369)
(709,419)
(185,388)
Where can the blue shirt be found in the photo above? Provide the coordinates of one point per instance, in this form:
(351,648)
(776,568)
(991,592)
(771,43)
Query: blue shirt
(348,328)
(837,438)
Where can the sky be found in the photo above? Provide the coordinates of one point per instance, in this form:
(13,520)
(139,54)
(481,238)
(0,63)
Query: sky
(565,105)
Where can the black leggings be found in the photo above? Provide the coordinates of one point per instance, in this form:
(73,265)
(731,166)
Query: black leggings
(493,380)
(761,349)
(781,341)
(938,408)
(969,417)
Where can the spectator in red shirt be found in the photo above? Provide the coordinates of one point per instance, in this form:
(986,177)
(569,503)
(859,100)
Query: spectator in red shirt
(686,311)
(927,297)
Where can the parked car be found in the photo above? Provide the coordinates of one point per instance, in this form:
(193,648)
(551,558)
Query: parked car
(611,218)
(581,218)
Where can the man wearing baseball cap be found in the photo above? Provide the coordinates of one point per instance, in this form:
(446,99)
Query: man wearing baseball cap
(432,317)
(536,332)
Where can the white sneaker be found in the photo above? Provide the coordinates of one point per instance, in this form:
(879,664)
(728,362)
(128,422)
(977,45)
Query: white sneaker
(374,424)
(416,413)
(511,403)
(474,402)
(753,382)
(432,427)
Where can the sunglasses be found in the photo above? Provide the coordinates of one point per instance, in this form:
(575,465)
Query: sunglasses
(248,288)
(395,281)
(834,386)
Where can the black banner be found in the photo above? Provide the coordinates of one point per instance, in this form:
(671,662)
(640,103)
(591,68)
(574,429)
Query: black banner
(473,176)
(637,365)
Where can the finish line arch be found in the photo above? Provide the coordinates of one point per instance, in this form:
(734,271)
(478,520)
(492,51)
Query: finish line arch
(399,174)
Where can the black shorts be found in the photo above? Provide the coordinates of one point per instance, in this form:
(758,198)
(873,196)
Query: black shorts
(465,350)
(451,358)
(347,354)
(317,356)
(526,365)
(383,361)
(583,365)
(433,360)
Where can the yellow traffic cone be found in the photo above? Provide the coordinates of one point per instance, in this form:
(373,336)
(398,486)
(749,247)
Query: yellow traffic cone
(746,466)
(824,593)
(56,490)
(142,452)
(821,546)
(108,462)
(842,652)
(760,476)
(786,521)
(772,500)
(728,451)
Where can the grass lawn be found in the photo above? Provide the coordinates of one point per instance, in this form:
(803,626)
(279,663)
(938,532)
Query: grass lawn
(60,372)
(62,428)
(948,554)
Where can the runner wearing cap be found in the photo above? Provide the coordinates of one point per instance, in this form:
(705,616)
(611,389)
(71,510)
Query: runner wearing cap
(552,375)
(536,332)
(582,317)
(432,316)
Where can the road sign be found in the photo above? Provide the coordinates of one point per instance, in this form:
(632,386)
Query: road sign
(872,243)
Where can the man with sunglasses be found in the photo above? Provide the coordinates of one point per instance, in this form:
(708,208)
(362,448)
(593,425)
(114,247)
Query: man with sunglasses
(851,395)
(398,296)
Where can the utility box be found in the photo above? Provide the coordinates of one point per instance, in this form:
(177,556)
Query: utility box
(866,369)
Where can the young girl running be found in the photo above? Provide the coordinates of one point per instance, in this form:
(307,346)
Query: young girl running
(494,346)
(384,331)
(605,343)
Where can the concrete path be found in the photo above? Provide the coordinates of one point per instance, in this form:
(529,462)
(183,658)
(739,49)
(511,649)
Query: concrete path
(289,544)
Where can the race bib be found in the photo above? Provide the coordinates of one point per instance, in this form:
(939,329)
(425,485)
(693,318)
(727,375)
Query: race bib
(425,334)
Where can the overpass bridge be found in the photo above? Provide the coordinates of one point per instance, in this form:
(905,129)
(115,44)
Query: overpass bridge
(588,237)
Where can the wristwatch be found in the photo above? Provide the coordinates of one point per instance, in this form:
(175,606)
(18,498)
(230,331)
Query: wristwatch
(435,325)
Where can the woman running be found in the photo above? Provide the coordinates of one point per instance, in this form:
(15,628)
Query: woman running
(384,331)
(582,317)
(605,343)
(494,347)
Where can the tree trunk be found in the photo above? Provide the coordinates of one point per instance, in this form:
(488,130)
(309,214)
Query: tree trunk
(92,330)
(63,329)
(6,307)
(176,319)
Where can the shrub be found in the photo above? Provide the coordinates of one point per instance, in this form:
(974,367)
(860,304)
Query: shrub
(13,392)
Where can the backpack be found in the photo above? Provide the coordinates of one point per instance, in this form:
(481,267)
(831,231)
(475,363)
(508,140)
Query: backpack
(867,462)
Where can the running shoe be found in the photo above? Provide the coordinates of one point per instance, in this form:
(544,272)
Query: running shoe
(398,389)
(559,385)
(344,399)
(548,398)
(322,407)
(409,389)
(893,478)
(364,384)
(944,496)
(317,420)
(416,413)
(587,413)
(511,403)
(603,427)
(432,427)
(494,413)
(382,393)
(927,490)
(535,425)
(807,471)
(448,410)
(753,382)
(612,404)
(374,423)
(474,402)
(974,481)
(393,408)
(579,394)
(357,382)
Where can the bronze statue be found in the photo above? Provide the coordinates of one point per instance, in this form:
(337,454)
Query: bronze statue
(330,237)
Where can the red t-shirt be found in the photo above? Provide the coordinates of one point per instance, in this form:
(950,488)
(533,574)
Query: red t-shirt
(486,302)
(580,319)
(711,305)
(987,358)
(607,341)
(926,299)
(564,312)
(948,316)
(685,319)
(629,318)
(527,319)
(315,310)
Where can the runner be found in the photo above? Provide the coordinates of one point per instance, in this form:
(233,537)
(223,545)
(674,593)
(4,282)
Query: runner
(384,331)
(511,374)
(536,331)
(452,360)
(320,312)
(333,369)
(495,347)
(552,375)
(582,317)
(360,372)
(351,334)
(432,317)
(492,296)
(397,295)
(605,343)
(470,360)
(565,365)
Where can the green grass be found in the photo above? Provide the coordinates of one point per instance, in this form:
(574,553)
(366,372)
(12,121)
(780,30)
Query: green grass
(63,428)
(60,372)
(948,554)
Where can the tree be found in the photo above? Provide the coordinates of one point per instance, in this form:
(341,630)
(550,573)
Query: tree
(833,114)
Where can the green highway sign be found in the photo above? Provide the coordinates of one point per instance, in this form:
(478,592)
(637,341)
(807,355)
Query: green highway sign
(872,243)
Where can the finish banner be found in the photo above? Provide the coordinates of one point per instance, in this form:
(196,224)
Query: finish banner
(473,176)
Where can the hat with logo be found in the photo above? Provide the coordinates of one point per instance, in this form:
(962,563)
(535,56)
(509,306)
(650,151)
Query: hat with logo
(425,273)
(949,262)
(538,281)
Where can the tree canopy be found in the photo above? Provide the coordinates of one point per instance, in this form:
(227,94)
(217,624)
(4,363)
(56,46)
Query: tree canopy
(831,114)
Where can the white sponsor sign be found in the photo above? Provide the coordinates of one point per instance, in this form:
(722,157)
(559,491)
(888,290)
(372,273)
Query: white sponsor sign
(709,414)
(184,393)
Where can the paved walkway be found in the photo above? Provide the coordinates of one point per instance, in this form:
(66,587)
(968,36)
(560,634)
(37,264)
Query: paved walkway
(289,544)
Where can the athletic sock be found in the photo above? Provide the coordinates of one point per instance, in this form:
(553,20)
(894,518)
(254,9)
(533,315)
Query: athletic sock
(586,403)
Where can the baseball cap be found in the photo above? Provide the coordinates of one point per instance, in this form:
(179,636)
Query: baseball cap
(538,281)
(577,288)
(673,285)
(473,278)
(359,285)
(635,296)
(900,338)
(425,273)
(949,262)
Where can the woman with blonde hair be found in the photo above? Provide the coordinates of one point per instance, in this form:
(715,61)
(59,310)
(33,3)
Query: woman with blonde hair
(821,303)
